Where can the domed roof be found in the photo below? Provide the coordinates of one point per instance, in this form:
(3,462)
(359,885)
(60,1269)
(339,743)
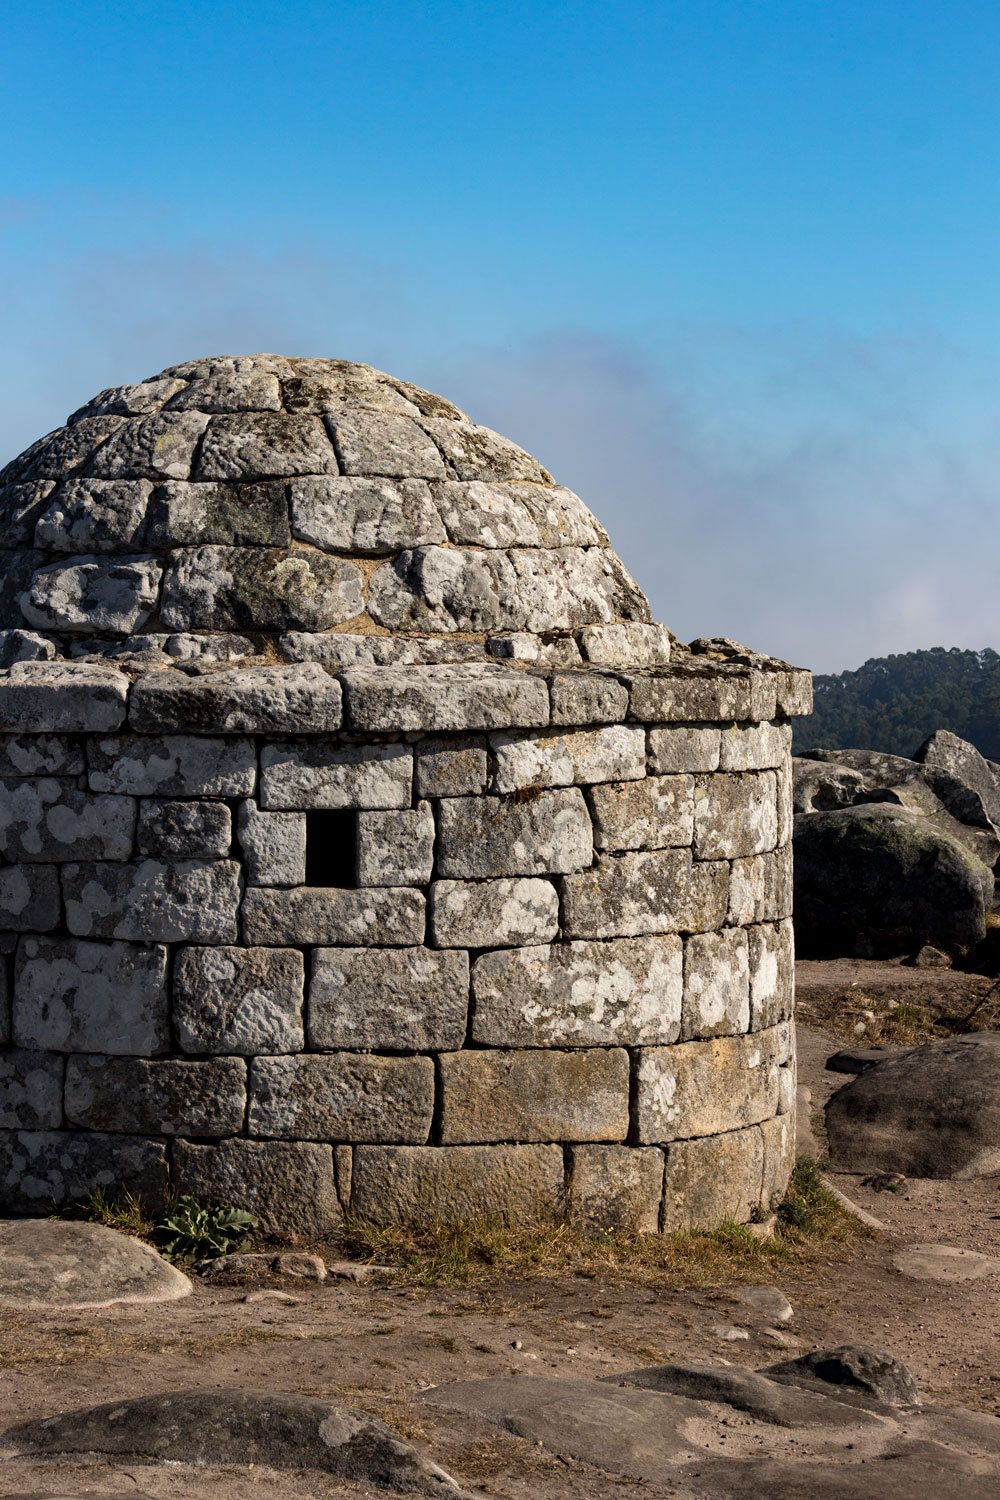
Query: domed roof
(301,509)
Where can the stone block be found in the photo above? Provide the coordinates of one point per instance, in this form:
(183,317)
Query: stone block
(242,515)
(187,900)
(30,1090)
(264,445)
(114,595)
(521,645)
(66,449)
(288,1185)
(273,844)
(17,569)
(772,974)
(716,984)
(534,1096)
(778,1139)
(230,390)
(342,648)
(449,589)
(375,516)
(587,696)
(480,513)
(242,1000)
(714,1179)
(674,694)
(94,515)
(627,644)
(614,753)
(760,888)
(242,700)
(133,1096)
(626,992)
(153,447)
(20,507)
(655,813)
(172,766)
(684,747)
(451,768)
(40,755)
(87,997)
(397,847)
(543,834)
(456,695)
(735,815)
(29,898)
(45,1167)
(656,890)
(398,999)
(758,747)
(707,1088)
(26,645)
(342,1096)
(476,452)
(184,830)
(456,1184)
(492,913)
(382,444)
(794,693)
(306,776)
(41,696)
(139,400)
(616,1188)
(266,588)
(379,917)
(50,821)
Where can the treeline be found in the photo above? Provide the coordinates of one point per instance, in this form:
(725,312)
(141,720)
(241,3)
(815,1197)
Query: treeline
(893,703)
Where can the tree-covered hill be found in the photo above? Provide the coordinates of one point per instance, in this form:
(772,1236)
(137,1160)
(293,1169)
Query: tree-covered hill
(893,703)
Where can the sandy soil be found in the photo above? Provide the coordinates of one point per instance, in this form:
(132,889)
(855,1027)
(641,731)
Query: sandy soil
(377,1346)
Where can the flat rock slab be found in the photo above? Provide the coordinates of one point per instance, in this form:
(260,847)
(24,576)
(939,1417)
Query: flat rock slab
(705,1431)
(221,1426)
(944,1263)
(53,1263)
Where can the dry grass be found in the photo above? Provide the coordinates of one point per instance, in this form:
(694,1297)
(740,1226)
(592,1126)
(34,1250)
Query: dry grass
(810,1221)
(865,1020)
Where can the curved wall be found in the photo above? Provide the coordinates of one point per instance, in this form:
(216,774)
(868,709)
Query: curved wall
(451,940)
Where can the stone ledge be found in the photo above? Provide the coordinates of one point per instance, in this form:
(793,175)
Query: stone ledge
(458,696)
(41,697)
(301,699)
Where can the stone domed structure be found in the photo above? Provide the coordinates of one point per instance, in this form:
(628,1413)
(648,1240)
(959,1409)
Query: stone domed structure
(366,844)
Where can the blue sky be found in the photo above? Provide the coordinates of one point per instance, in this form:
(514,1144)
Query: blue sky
(728,266)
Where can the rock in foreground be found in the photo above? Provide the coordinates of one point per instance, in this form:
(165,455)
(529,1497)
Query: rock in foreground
(277,1431)
(931,1111)
(673,1426)
(53,1263)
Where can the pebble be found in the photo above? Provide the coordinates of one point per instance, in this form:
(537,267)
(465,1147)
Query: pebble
(729,1333)
(349,1270)
(271,1296)
(768,1302)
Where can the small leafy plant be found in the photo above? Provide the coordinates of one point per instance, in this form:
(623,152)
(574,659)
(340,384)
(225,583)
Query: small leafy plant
(189,1231)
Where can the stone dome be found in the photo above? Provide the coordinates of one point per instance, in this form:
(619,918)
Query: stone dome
(297,510)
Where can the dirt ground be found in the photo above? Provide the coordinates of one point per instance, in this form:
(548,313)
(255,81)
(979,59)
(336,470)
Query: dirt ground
(377,1346)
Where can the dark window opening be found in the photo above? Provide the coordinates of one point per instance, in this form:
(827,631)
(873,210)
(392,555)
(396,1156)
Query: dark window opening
(332,848)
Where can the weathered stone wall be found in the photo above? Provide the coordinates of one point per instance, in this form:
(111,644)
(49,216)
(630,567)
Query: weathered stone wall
(559,972)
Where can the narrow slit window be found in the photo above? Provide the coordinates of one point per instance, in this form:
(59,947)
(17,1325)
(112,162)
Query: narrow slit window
(332,848)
